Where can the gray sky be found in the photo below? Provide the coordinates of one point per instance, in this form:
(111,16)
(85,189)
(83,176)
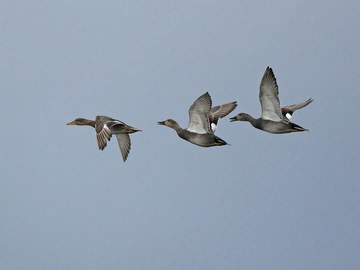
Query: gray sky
(266,202)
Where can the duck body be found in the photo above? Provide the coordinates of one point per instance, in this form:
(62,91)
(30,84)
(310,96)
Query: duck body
(204,140)
(275,127)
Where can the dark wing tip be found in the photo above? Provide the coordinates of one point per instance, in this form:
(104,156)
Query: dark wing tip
(269,71)
(269,77)
(206,95)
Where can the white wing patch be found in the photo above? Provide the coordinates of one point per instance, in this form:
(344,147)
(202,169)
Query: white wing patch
(213,127)
(288,116)
(107,128)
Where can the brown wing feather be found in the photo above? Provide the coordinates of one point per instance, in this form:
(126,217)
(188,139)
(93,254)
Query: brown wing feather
(103,132)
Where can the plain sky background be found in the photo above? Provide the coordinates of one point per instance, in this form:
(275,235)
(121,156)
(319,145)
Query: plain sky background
(265,202)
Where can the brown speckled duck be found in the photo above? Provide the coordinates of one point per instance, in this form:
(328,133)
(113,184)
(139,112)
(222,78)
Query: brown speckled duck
(105,127)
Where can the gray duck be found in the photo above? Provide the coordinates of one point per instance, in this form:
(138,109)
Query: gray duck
(273,119)
(202,122)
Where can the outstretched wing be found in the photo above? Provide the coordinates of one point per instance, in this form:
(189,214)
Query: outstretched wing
(292,108)
(220,112)
(269,97)
(198,115)
(124,144)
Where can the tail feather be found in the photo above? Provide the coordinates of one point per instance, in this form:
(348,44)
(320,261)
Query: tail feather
(297,128)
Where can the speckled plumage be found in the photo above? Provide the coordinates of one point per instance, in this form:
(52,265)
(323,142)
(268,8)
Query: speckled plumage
(105,127)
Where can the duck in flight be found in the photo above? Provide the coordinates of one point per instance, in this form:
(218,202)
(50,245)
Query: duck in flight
(202,122)
(105,127)
(273,119)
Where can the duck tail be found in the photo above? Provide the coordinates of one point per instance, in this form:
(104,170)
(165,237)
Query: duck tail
(297,128)
(219,141)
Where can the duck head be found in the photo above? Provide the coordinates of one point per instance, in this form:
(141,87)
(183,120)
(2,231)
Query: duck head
(170,123)
(81,122)
(241,117)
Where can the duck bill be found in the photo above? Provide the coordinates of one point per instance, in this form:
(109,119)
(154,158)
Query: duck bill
(232,119)
(135,130)
(161,123)
(71,124)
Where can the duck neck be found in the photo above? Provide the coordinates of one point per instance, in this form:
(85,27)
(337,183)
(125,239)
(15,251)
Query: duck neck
(87,122)
(250,119)
(176,127)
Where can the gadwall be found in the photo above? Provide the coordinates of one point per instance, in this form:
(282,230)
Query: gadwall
(201,120)
(272,119)
(105,127)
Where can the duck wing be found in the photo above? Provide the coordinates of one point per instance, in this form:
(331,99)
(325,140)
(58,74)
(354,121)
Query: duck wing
(105,127)
(269,97)
(124,144)
(198,115)
(103,132)
(220,112)
(116,126)
(292,108)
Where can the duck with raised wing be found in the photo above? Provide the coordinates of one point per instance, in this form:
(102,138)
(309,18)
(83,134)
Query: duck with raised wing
(105,127)
(273,118)
(201,120)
